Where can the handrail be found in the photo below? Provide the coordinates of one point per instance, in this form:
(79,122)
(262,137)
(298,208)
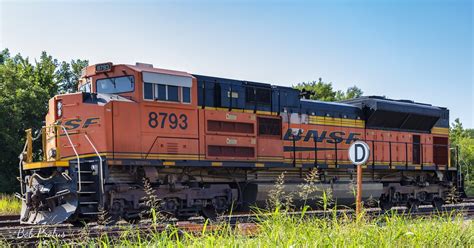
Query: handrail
(101,177)
(335,142)
(20,167)
(77,156)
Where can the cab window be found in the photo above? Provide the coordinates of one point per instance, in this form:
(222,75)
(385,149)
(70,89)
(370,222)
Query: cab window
(86,88)
(162,92)
(186,94)
(165,87)
(115,85)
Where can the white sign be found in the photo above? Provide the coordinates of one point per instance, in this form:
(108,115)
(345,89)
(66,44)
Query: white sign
(359,152)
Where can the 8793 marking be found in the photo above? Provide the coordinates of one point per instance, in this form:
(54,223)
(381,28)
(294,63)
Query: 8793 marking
(164,119)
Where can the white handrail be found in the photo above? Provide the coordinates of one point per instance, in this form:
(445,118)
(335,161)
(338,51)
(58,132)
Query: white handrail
(20,166)
(77,156)
(101,177)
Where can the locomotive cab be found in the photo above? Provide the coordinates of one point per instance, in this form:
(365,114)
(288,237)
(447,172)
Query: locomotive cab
(119,111)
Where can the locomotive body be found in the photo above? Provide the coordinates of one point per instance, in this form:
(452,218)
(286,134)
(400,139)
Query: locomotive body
(208,144)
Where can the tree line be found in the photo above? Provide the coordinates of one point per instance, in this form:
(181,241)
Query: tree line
(25,88)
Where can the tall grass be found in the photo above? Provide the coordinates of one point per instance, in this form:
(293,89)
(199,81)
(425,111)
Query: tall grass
(276,228)
(280,230)
(9,204)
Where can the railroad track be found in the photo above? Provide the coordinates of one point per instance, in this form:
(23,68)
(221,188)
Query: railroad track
(9,220)
(14,234)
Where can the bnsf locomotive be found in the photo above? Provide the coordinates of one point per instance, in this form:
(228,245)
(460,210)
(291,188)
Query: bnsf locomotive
(209,144)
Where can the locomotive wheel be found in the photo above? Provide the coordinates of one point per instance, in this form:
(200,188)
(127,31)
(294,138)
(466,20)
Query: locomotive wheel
(412,205)
(438,203)
(385,205)
(209,212)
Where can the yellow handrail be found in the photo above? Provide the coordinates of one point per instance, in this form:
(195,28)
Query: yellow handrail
(43,142)
(29,148)
(57,130)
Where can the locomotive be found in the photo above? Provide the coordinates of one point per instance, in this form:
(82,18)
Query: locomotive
(207,144)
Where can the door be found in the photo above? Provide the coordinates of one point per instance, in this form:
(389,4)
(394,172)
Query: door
(416,149)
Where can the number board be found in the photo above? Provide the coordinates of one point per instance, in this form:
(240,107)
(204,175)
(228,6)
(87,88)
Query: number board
(103,67)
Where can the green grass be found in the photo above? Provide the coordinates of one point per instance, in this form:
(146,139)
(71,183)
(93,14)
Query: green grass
(9,204)
(280,230)
(469,188)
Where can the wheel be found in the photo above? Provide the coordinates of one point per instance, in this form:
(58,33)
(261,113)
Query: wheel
(133,220)
(209,212)
(413,205)
(438,203)
(385,205)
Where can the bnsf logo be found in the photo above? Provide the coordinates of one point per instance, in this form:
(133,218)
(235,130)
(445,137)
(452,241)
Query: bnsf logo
(75,123)
(313,135)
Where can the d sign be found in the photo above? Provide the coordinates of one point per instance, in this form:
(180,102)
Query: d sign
(359,152)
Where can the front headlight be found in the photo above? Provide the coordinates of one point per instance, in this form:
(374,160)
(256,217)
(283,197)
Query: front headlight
(52,153)
(59,109)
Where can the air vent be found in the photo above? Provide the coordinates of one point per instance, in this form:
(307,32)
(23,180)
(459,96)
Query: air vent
(172,147)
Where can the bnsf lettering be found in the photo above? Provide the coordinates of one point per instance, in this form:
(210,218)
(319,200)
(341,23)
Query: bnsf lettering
(76,123)
(164,119)
(90,121)
(333,137)
(72,124)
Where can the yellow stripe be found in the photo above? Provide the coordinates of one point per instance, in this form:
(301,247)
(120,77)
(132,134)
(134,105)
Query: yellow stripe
(169,163)
(440,130)
(259,165)
(321,120)
(38,165)
(216,163)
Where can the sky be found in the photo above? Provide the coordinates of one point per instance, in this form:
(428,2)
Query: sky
(420,50)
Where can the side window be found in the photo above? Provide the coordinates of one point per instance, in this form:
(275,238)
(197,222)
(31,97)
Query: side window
(173,93)
(161,89)
(148,91)
(162,92)
(86,88)
(166,87)
(186,94)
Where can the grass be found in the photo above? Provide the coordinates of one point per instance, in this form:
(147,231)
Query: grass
(281,230)
(277,229)
(469,188)
(9,205)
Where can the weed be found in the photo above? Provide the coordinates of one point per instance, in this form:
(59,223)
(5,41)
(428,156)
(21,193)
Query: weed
(9,204)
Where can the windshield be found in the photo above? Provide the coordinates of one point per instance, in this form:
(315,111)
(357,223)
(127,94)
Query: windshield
(115,84)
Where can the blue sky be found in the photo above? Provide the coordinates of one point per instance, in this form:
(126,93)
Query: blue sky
(418,50)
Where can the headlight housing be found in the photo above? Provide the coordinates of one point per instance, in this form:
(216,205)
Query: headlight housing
(52,153)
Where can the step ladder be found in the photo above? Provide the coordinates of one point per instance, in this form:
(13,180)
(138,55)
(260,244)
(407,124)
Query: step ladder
(90,181)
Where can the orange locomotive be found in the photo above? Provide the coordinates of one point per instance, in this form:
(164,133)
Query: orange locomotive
(209,144)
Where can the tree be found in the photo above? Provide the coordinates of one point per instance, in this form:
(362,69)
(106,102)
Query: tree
(461,139)
(324,91)
(69,74)
(25,89)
